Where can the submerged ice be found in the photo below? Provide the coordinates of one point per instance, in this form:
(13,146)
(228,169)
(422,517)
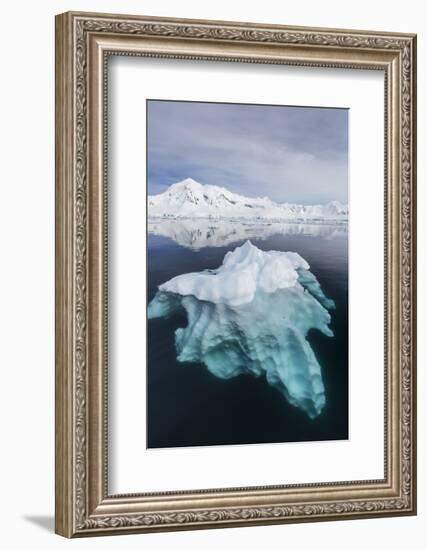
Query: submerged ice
(252,315)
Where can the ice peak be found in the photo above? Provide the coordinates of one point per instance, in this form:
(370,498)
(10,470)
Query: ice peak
(188,183)
(247,246)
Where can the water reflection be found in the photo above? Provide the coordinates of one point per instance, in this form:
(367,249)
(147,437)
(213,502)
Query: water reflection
(198,234)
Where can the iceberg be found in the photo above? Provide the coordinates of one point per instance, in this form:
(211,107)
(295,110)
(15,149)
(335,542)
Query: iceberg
(252,316)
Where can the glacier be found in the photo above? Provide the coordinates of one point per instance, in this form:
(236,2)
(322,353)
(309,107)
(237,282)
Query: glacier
(252,316)
(189,199)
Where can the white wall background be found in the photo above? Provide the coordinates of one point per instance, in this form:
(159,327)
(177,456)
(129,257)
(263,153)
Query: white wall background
(27,274)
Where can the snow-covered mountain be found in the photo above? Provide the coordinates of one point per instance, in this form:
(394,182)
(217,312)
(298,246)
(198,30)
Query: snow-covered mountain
(191,199)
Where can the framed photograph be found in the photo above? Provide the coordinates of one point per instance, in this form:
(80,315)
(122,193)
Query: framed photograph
(235,274)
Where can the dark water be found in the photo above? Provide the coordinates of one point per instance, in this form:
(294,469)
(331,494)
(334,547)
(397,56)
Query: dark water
(188,406)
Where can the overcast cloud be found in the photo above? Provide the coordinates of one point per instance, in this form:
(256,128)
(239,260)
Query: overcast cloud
(290,154)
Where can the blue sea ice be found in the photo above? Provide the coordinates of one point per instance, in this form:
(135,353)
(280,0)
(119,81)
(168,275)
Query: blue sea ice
(252,316)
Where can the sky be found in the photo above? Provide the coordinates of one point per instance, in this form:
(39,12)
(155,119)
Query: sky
(290,154)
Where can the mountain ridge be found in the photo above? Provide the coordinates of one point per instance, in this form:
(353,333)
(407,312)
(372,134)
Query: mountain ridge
(191,199)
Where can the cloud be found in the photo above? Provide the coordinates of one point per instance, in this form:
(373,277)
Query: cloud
(294,154)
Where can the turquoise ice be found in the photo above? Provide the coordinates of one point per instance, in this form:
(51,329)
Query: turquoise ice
(252,316)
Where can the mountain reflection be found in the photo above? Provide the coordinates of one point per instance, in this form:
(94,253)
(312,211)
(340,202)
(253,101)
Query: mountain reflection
(201,233)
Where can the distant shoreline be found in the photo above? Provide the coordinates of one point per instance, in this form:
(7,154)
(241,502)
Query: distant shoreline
(314,221)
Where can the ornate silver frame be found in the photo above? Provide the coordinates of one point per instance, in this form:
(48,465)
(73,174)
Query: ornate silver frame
(83,42)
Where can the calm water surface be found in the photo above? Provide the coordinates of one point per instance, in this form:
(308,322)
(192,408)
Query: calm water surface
(188,406)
